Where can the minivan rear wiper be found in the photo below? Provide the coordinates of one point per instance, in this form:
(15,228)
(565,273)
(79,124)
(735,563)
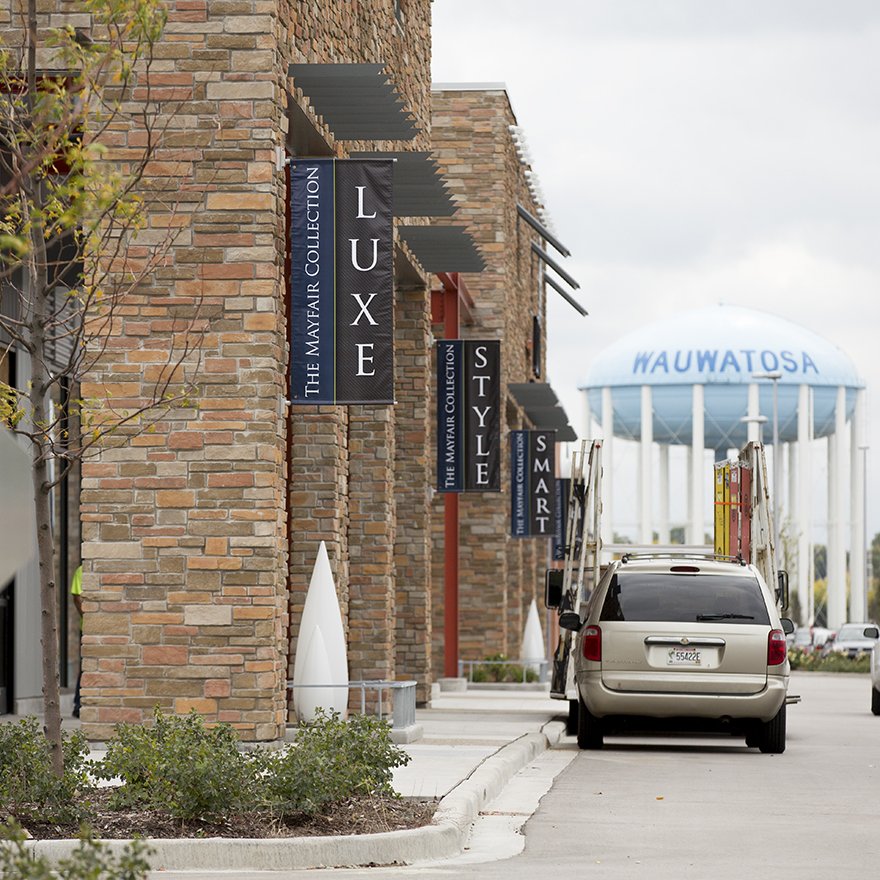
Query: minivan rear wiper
(725,616)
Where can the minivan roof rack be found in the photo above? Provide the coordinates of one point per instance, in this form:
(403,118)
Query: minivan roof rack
(626,557)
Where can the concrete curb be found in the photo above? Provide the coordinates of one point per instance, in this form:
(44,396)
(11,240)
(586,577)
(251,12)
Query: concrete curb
(446,836)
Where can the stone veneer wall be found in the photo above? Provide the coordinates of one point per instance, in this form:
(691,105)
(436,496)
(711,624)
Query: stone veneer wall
(188,530)
(497,575)
(183,528)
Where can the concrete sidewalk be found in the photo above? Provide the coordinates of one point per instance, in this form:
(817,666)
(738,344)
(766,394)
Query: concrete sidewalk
(473,744)
(462,730)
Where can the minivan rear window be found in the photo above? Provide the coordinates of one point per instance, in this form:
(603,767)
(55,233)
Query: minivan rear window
(684,598)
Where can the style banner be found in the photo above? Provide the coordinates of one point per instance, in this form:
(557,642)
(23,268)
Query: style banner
(468,415)
(450,404)
(560,516)
(533,483)
(341,278)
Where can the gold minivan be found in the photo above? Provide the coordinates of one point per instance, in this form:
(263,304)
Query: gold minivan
(687,642)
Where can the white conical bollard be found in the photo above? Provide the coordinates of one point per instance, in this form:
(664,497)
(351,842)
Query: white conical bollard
(533,639)
(321,610)
(314,669)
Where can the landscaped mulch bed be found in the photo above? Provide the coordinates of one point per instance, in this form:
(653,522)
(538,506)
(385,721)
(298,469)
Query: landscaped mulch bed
(353,816)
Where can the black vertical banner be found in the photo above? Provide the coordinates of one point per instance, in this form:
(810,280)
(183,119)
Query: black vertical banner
(482,383)
(542,482)
(519,484)
(364,282)
(533,484)
(342,282)
(450,415)
(312,282)
(560,518)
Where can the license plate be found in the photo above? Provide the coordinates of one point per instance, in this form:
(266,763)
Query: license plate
(684,657)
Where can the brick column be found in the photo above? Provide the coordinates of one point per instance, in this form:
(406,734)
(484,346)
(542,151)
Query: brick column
(517,549)
(183,526)
(318,493)
(371,534)
(413,473)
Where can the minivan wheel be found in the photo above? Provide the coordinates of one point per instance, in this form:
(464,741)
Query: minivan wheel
(875,701)
(589,732)
(571,723)
(771,737)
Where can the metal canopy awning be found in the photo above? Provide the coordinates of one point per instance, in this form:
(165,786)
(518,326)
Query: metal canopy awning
(443,248)
(564,294)
(555,266)
(542,230)
(543,408)
(355,100)
(419,187)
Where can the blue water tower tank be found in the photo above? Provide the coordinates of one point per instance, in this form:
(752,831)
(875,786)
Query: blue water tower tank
(720,347)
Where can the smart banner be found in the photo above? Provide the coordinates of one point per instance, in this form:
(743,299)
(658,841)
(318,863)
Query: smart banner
(533,483)
(468,415)
(341,278)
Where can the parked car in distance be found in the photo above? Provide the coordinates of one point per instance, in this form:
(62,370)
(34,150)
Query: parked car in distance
(802,639)
(688,641)
(821,636)
(875,678)
(853,639)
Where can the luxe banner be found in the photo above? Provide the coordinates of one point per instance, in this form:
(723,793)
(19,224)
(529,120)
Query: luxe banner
(533,484)
(468,415)
(341,279)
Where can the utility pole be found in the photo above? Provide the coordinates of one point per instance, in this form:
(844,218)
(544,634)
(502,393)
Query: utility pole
(774,377)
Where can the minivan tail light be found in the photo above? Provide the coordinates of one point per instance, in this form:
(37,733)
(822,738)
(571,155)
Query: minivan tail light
(777,650)
(592,644)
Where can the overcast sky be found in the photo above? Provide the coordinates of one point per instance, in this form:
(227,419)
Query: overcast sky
(693,152)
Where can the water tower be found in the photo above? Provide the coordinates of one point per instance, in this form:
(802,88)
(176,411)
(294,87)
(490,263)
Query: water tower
(706,380)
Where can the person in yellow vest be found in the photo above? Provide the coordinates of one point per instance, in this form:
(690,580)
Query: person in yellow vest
(76,592)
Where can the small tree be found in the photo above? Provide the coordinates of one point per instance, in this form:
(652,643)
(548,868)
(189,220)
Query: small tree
(70,210)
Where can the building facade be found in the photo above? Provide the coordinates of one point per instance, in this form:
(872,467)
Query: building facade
(473,134)
(199,535)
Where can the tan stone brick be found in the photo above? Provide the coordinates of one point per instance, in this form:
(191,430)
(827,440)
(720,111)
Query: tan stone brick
(175,498)
(201,705)
(165,655)
(208,615)
(253,613)
(217,687)
(98,623)
(216,546)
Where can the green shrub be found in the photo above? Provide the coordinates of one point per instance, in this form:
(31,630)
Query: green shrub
(90,861)
(813,661)
(332,760)
(182,767)
(494,669)
(29,788)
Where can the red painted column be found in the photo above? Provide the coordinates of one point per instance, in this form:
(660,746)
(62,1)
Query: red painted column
(450,512)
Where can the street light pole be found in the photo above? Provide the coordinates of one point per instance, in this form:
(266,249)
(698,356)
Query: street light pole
(864,451)
(774,377)
(760,421)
